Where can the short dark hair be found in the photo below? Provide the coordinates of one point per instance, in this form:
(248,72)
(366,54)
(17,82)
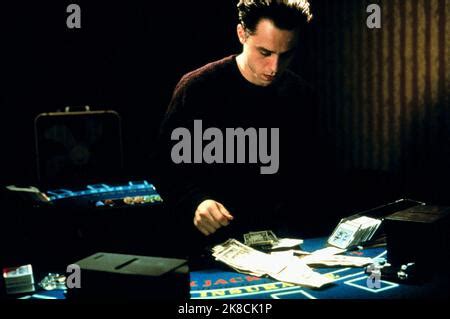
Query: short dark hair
(285,14)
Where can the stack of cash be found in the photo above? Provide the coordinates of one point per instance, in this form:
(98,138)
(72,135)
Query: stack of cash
(335,260)
(245,259)
(260,240)
(267,241)
(354,231)
(326,257)
(284,260)
(18,279)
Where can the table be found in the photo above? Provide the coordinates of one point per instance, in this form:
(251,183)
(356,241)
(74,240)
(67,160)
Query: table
(349,283)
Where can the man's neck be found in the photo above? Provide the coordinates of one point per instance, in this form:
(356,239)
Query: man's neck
(246,73)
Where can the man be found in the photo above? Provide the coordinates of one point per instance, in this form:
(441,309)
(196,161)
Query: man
(253,90)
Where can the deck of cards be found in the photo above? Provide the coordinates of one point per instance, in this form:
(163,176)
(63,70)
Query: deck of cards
(19,279)
(354,231)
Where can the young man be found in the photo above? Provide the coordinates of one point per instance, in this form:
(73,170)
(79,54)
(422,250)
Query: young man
(217,190)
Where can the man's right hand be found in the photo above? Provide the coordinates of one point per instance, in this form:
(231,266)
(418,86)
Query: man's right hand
(210,216)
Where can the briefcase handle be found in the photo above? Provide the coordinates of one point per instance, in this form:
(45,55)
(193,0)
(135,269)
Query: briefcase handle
(85,108)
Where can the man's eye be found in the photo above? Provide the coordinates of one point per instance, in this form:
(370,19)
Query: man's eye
(265,53)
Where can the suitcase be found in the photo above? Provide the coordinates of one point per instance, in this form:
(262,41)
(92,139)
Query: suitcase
(78,145)
(80,161)
(92,203)
(84,202)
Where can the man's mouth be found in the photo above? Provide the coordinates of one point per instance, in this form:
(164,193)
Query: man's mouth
(269,78)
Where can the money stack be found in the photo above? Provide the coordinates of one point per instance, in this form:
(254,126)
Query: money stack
(332,260)
(266,241)
(263,240)
(18,279)
(247,260)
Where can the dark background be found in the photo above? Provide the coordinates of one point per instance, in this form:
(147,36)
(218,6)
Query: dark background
(384,104)
(384,93)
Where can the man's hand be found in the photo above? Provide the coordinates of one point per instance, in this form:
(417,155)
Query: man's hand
(210,216)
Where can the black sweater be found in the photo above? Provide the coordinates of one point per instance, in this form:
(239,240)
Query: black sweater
(221,97)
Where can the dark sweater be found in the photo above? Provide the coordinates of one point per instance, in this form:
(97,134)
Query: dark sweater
(221,97)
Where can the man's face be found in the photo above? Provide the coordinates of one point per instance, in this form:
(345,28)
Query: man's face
(266,53)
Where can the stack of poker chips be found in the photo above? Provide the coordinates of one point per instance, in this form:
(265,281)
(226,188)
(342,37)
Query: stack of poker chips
(19,279)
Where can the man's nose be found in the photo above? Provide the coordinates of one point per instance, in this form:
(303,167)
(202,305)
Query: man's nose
(274,63)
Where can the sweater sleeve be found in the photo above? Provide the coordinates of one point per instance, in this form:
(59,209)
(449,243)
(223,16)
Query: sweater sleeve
(177,182)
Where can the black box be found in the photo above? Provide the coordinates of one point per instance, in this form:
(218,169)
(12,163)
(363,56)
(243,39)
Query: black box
(107,276)
(419,235)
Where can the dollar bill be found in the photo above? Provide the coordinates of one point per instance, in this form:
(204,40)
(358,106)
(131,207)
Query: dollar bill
(286,243)
(260,238)
(247,260)
(336,260)
(297,272)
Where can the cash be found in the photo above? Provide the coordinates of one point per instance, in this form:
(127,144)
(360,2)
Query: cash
(266,240)
(288,268)
(325,257)
(261,239)
(246,259)
(286,243)
(297,272)
(329,257)
(327,251)
(335,260)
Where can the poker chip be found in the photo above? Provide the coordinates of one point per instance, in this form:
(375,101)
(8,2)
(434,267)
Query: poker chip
(53,281)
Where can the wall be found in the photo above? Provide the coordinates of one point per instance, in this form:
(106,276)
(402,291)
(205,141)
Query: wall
(386,91)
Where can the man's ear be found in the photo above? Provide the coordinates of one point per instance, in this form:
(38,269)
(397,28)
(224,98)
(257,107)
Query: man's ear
(242,35)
